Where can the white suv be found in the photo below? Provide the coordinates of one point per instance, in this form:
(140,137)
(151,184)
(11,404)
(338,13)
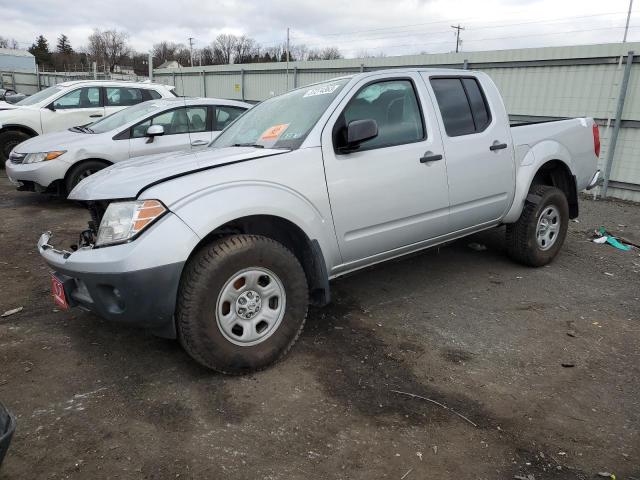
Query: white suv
(70,104)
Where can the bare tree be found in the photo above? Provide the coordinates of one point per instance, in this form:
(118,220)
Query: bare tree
(108,47)
(245,50)
(8,43)
(223,47)
(327,53)
(164,51)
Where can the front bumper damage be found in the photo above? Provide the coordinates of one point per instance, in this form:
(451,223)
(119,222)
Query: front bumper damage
(134,283)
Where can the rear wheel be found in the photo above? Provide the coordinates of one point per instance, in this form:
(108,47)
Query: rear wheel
(8,141)
(537,237)
(81,171)
(242,304)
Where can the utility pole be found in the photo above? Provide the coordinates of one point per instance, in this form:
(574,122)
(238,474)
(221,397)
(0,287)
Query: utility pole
(626,27)
(191,50)
(457,28)
(150,66)
(287,59)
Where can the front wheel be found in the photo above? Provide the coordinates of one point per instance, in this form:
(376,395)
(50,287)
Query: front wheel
(242,304)
(81,171)
(8,141)
(536,238)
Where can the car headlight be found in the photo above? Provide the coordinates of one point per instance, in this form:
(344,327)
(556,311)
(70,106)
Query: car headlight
(122,221)
(42,156)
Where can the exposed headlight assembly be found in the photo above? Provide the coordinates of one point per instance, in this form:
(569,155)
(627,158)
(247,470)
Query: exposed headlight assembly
(123,221)
(42,156)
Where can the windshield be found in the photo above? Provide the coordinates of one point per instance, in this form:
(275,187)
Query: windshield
(283,121)
(122,117)
(41,95)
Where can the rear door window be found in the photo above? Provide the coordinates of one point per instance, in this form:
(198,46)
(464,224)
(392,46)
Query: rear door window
(123,96)
(462,105)
(225,115)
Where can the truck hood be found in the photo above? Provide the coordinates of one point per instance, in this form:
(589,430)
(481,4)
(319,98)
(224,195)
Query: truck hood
(7,106)
(48,142)
(127,179)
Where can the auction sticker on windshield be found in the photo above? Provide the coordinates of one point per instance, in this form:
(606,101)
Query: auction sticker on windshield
(321,90)
(272,133)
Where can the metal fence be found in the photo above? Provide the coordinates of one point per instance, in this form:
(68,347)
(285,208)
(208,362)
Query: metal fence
(536,84)
(30,83)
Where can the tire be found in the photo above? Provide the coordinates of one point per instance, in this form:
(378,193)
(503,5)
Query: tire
(8,141)
(209,305)
(81,171)
(526,242)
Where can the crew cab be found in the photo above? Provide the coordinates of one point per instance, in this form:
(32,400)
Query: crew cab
(56,162)
(70,104)
(224,248)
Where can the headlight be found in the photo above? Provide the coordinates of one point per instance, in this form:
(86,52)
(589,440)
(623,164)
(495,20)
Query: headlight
(42,156)
(124,220)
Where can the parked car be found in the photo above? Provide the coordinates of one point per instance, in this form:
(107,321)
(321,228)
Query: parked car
(225,248)
(56,162)
(69,104)
(9,95)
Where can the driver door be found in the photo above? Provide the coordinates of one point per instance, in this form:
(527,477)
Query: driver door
(78,107)
(384,195)
(176,123)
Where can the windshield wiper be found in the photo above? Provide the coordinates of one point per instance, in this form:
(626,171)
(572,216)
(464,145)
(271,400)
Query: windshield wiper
(247,145)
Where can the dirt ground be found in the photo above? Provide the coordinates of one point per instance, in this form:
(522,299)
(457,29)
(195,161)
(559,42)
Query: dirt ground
(480,335)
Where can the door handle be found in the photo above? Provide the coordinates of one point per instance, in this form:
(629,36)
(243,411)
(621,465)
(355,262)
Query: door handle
(497,146)
(430,157)
(97,115)
(199,143)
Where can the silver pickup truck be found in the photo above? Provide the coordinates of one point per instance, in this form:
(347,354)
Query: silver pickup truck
(225,248)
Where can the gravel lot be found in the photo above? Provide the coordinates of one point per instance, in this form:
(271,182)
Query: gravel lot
(468,329)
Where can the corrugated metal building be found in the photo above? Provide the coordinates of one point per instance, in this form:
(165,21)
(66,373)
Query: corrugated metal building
(16,61)
(536,83)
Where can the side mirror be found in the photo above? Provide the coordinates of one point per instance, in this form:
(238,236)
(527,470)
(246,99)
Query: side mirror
(359,131)
(51,107)
(154,131)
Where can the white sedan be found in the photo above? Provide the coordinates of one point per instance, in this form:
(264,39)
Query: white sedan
(56,162)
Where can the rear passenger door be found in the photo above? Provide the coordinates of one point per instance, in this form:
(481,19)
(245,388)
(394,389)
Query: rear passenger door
(478,150)
(77,107)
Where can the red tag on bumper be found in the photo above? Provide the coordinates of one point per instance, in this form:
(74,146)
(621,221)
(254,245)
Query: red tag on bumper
(57,291)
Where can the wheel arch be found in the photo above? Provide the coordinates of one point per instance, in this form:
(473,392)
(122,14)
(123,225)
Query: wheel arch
(556,173)
(306,250)
(16,127)
(72,168)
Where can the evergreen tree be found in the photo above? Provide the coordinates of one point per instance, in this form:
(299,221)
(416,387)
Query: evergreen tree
(40,50)
(63,45)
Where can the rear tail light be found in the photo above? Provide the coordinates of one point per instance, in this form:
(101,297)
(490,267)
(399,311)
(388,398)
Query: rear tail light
(596,139)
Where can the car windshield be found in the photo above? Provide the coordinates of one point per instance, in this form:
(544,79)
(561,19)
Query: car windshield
(122,117)
(39,96)
(283,121)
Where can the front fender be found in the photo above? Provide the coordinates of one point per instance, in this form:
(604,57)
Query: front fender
(531,162)
(201,212)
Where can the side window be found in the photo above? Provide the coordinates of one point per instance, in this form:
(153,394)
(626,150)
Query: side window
(87,97)
(197,119)
(122,96)
(394,106)
(226,115)
(153,95)
(174,122)
(462,105)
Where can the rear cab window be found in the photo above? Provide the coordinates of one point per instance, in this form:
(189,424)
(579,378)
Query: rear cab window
(462,104)
(122,96)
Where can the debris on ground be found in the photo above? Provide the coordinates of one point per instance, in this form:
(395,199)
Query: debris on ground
(607,475)
(405,475)
(602,236)
(571,333)
(567,365)
(478,247)
(522,477)
(11,312)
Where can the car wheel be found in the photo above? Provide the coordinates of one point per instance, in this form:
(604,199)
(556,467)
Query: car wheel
(8,141)
(242,304)
(536,238)
(81,171)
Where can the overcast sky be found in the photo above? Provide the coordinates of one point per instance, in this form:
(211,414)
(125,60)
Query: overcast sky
(392,27)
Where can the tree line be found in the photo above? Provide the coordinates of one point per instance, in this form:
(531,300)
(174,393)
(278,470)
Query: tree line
(111,51)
